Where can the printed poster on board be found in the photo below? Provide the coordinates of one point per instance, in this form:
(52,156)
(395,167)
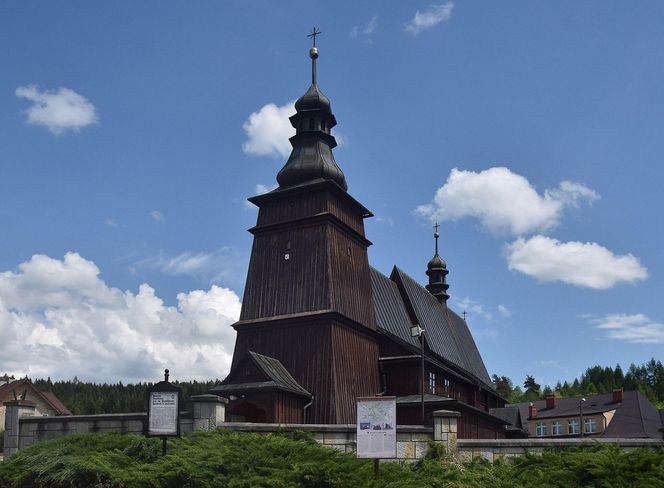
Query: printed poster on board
(163,413)
(377,427)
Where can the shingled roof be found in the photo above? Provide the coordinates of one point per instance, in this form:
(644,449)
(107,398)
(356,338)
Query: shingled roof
(400,302)
(275,377)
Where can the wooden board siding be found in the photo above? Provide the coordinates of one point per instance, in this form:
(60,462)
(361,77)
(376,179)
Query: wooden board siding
(472,426)
(355,365)
(297,206)
(350,282)
(326,358)
(278,286)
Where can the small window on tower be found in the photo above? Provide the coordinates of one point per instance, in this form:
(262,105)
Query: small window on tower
(322,125)
(311,124)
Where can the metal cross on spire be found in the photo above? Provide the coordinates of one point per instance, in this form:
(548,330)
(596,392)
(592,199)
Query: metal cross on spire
(464,315)
(436,235)
(314,34)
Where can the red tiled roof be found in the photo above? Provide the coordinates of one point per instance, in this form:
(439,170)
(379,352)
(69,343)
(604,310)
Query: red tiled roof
(20,385)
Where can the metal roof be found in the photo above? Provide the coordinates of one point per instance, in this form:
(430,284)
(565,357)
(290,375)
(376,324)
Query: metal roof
(391,313)
(447,334)
(635,416)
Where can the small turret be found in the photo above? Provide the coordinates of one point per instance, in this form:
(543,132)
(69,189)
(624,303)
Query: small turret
(437,271)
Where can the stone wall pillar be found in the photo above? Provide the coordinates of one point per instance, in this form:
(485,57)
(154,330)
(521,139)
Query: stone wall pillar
(445,428)
(209,411)
(15,409)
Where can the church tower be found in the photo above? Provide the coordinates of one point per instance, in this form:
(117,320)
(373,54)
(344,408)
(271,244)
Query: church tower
(307,301)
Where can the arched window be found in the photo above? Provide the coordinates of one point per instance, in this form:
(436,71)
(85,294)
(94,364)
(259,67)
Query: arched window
(311,124)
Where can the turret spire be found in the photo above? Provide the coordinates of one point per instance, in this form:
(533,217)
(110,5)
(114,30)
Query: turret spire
(311,159)
(437,271)
(313,54)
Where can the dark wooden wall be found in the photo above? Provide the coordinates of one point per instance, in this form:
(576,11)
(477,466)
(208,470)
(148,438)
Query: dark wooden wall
(333,362)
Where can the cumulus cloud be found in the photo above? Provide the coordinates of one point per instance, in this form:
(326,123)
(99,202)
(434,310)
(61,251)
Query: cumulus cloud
(636,328)
(503,201)
(268,131)
(58,318)
(57,110)
(581,264)
(431,17)
(359,31)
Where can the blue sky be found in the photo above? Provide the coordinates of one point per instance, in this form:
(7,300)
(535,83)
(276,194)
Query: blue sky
(131,134)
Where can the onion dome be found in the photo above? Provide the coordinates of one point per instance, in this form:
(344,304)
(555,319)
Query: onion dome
(437,271)
(311,159)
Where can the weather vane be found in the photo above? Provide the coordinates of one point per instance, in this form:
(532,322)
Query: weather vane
(314,34)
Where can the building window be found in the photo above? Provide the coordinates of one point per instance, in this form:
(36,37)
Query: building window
(573,426)
(311,124)
(432,382)
(589,426)
(446,385)
(540,429)
(556,427)
(322,125)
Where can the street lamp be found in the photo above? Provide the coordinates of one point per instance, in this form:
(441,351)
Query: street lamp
(417,331)
(581,402)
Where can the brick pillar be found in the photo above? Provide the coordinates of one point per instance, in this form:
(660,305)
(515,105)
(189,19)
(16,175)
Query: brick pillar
(445,428)
(14,410)
(209,411)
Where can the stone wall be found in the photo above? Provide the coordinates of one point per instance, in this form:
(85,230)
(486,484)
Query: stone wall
(412,440)
(23,429)
(505,449)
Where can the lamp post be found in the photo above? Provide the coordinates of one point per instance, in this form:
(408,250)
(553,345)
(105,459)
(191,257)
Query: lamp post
(581,402)
(417,331)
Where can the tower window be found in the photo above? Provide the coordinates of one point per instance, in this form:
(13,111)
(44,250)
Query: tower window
(322,125)
(311,124)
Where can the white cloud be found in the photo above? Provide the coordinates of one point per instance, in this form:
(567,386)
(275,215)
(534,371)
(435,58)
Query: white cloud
(504,311)
(157,216)
(471,307)
(211,267)
(268,131)
(503,201)
(431,17)
(577,263)
(363,30)
(59,319)
(58,110)
(112,222)
(636,328)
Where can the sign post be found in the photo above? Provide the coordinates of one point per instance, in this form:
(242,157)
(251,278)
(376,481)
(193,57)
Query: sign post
(164,410)
(377,429)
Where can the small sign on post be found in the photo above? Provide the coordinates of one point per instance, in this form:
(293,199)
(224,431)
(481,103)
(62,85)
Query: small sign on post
(377,429)
(164,410)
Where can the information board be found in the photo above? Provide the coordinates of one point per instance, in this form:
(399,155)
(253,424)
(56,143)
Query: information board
(163,413)
(377,427)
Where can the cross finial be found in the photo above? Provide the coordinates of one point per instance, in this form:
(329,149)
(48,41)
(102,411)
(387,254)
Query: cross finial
(436,235)
(314,34)
(464,315)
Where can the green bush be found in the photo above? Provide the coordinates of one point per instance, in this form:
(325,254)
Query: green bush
(246,460)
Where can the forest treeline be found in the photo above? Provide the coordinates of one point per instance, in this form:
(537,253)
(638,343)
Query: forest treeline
(647,378)
(92,398)
(84,398)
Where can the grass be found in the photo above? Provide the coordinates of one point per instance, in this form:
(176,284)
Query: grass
(238,460)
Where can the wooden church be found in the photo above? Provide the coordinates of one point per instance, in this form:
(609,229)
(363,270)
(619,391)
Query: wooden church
(320,327)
